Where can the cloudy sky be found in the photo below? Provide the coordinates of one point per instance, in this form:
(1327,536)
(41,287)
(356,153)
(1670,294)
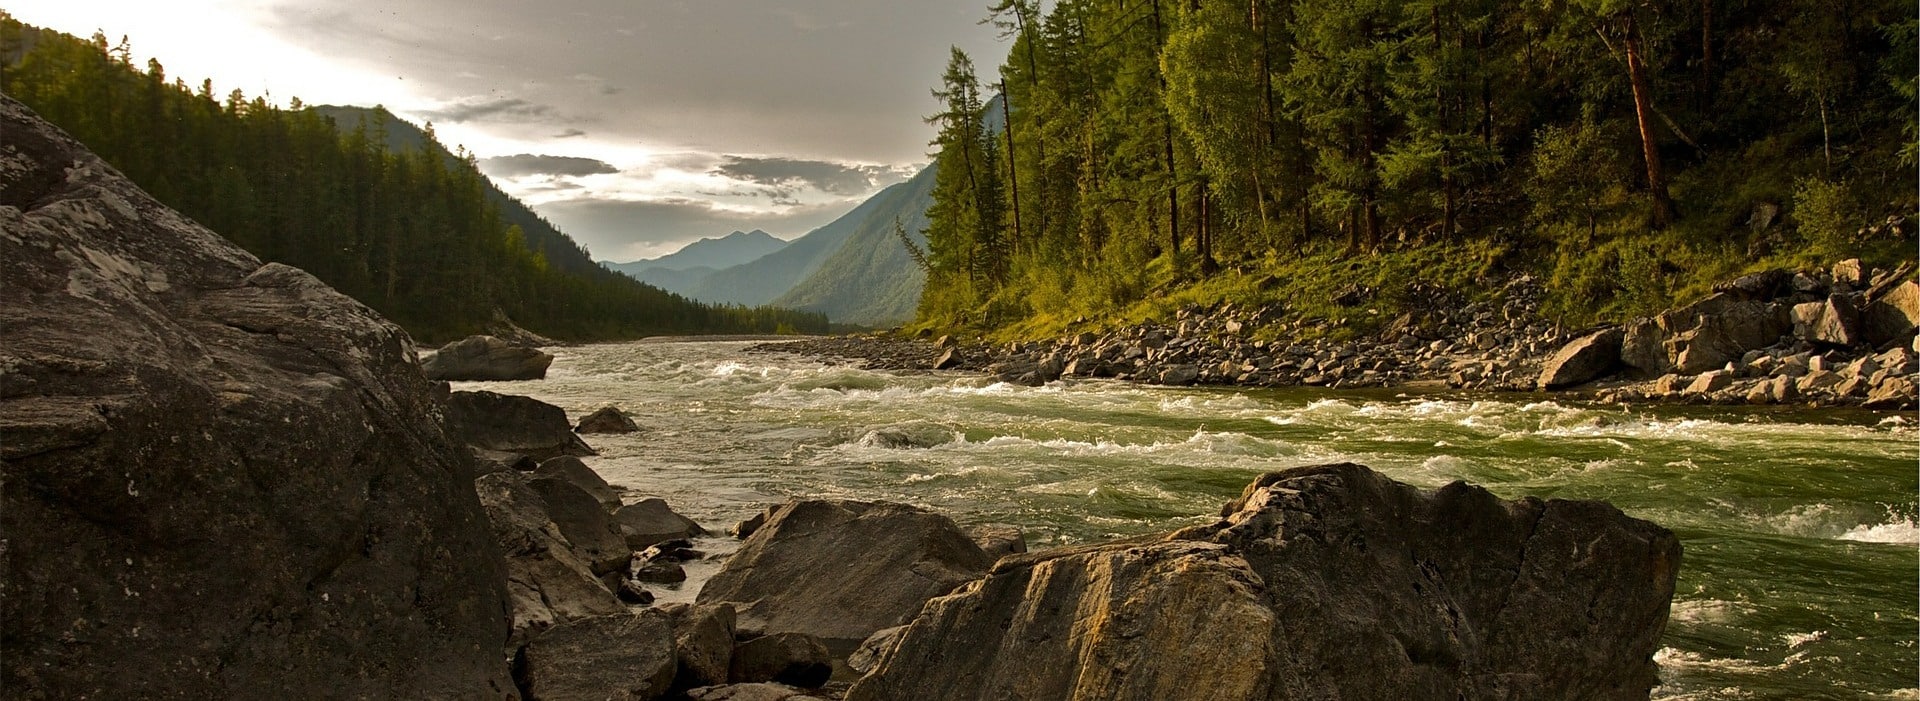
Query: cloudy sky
(636,125)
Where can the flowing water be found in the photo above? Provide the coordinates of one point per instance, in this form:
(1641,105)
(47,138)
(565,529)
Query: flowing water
(1799,578)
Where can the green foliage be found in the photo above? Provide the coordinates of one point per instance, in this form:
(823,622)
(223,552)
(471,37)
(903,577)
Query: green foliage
(1168,153)
(416,233)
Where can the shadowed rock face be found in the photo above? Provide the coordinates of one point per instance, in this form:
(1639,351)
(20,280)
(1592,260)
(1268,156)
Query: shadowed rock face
(222,479)
(1320,582)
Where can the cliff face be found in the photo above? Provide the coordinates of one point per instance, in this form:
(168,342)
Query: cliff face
(222,479)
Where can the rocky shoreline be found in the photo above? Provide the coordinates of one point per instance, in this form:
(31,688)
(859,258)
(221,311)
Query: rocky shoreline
(1839,337)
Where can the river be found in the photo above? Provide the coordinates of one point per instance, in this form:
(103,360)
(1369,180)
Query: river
(1799,578)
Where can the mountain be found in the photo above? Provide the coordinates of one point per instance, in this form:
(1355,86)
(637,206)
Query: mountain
(724,252)
(871,279)
(758,282)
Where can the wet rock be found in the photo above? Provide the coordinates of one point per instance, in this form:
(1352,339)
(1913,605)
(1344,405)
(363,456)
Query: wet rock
(606,419)
(222,477)
(1583,360)
(511,424)
(795,659)
(998,540)
(703,643)
(486,358)
(618,656)
(1322,582)
(547,581)
(843,569)
(576,472)
(650,521)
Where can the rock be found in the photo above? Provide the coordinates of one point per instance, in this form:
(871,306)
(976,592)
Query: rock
(702,642)
(745,529)
(1178,375)
(1895,392)
(633,592)
(606,419)
(1710,382)
(660,573)
(1709,333)
(1644,348)
(512,424)
(1781,390)
(1762,286)
(1851,387)
(1671,384)
(1819,380)
(547,581)
(998,540)
(945,342)
(1327,582)
(1834,321)
(874,648)
(1892,316)
(486,358)
(1850,272)
(583,523)
(619,656)
(1583,360)
(843,569)
(796,659)
(948,359)
(577,473)
(750,692)
(651,521)
(490,461)
(223,478)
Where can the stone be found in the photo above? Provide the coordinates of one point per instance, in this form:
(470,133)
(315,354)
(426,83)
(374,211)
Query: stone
(1709,333)
(998,540)
(650,521)
(841,570)
(1892,316)
(1819,380)
(1671,383)
(1898,359)
(948,359)
(511,424)
(1329,581)
(875,648)
(1851,387)
(746,528)
(659,573)
(1582,360)
(584,523)
(945,342)
(1643,348)
(1850,271)
(486,358)
(749,692)
(1178,375)
(796,659)
(1709,382)
(223,478)
(1761,286)
(702,642)
(618,656)
(1895,392)
(606,419)
(1834,321)
(547,581)
(576,472)
(1781,390)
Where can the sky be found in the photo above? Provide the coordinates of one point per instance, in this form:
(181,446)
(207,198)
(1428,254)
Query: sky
(637,126)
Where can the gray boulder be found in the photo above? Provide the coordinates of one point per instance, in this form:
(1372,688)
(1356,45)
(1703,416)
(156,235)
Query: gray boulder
(619,656)
(585,525)
(650,521)
(1178,375)
(547,582)
(1582,360)
(571,469)
(1834,321)
(702,642)
(998,540)
(841,570)
(486,358)
(1721,328)
(512,424)
(223,478)
(795,659)
(1643,348)
(1893,315)
(1329,581)
(606,419)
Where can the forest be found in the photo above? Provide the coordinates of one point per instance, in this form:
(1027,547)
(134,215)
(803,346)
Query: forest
(415,232)
(1358,158)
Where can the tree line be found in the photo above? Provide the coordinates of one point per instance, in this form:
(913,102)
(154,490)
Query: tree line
(1626,148)
(411,232)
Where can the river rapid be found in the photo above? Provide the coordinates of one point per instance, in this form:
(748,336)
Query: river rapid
(1798,581)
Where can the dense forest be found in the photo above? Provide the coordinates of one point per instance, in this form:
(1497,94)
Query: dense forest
(1392,154)
(411,231)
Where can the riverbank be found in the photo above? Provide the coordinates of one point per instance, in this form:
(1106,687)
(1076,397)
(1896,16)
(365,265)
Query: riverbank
(1831,338)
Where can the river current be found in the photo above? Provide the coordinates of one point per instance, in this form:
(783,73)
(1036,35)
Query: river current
(1800,571)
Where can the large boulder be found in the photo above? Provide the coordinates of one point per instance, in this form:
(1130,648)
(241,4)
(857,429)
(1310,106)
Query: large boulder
(1721,328)
(841,570)
(547,581)
(573,470)
(702,642)
(621,656)
(510,423)
(1643,348)
(795,659)
(1329,581)
(1582,360)
(650,521)
(1833,321)
(1893,315)
(585,525)
(606,419)
(486,358)
(223,478)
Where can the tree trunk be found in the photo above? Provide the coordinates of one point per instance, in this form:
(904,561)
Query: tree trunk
(1166,132)
(1663,213)
(1013,170)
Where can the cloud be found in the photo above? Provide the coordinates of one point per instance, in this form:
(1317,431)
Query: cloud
(781,176)
(569,133)
(620,230)
(495,109)
(525,164)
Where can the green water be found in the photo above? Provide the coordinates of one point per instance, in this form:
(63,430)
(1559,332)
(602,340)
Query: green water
(1799,579)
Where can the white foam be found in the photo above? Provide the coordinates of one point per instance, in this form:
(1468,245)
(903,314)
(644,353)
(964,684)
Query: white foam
(1902,532)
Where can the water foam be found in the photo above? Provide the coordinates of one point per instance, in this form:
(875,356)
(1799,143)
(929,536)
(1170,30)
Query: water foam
(1899,532)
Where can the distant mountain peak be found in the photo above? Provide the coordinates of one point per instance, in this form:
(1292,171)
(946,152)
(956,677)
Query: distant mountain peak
(712,252)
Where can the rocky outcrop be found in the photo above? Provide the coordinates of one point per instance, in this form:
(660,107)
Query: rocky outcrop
(606,419)
(1833,321)
(1321,582)
(620,656)
(486,358)
(548,582)
(841,570)
(1709,333)
(1584,360)
(223,478)
(509,423)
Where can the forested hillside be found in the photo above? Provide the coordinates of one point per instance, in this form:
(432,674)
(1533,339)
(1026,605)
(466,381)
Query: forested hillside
(1398,153)
(411,233)
(873,279)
